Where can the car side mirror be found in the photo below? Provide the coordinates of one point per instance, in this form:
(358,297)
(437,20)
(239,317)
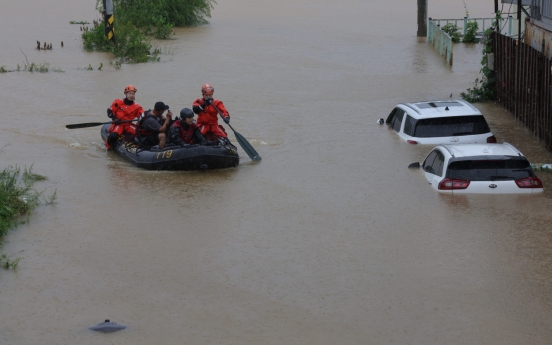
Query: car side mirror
(415,165)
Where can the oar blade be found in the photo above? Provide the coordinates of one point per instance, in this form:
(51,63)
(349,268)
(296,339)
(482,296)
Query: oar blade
(246,146)
(84,125)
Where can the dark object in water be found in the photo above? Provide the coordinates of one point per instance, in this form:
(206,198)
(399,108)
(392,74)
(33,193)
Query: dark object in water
(107,327)
(194,157)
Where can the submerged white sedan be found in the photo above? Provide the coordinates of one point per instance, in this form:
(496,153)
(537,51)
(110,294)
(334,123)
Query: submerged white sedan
(479,169)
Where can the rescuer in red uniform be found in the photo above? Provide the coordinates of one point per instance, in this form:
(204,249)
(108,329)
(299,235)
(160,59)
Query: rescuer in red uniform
(122,110)
(207,115)
(185,132)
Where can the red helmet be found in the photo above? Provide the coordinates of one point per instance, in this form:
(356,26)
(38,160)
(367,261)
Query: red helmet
(207,89)
(130,88)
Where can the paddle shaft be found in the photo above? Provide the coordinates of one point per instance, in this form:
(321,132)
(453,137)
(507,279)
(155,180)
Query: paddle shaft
(246,146)
(92,124)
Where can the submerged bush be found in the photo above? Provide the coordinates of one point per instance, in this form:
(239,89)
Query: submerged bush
(17,197)
(135,20)
(471,32)
(453,31)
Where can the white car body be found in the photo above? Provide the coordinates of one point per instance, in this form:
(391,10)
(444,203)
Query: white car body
(440,122)
(484,168)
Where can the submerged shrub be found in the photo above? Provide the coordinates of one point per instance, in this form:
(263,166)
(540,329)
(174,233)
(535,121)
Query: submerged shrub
(17,197)
(130,44)
(135,20)
(453,31)
(471,32)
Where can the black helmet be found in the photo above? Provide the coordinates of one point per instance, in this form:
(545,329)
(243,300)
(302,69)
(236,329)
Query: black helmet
(186,112)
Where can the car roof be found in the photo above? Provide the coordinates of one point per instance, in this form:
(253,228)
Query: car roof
(468,150)
(432,109)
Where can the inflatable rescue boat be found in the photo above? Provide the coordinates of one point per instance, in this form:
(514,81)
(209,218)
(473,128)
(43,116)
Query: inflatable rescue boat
(195,157)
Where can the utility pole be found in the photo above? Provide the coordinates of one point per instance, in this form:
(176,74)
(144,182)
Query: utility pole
(519,20)
(108,19)
(422,18)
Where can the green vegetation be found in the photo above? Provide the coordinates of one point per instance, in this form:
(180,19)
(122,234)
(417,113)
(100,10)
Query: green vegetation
(471,32)
(7,263)
(131,45)
(453,31)
(138,20)
(17,200)
(484,89)
(33,67)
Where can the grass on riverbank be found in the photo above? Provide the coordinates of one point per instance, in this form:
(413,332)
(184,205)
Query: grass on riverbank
(17,199)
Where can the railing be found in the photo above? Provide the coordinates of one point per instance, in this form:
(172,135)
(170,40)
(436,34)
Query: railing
(483,24)
(441,40)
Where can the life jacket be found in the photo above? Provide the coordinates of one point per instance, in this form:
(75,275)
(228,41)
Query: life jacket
(209,115)
(187,135)
(142,132)
(125,112)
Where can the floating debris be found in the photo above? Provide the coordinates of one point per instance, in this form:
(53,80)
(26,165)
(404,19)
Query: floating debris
(541,166)
(107,327)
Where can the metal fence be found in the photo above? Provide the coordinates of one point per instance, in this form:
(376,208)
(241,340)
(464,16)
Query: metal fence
(483,24)
(441,40)
(524,84)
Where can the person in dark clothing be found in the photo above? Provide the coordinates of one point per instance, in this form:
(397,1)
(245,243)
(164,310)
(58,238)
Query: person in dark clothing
(152,127)
(185,132)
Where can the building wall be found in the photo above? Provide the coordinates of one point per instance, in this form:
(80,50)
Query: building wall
(534,35)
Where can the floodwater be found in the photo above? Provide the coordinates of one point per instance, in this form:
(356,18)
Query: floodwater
(330,239)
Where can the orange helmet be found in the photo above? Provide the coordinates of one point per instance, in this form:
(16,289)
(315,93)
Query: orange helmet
(130,88)
(207,89)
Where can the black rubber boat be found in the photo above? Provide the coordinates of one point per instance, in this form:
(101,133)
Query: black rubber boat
(194,157)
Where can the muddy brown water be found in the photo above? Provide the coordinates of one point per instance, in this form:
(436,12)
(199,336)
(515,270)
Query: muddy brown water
(329,240)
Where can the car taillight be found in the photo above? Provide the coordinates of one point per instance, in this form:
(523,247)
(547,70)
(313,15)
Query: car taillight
(529,182)
(413,142)
(451,184)
(491,139)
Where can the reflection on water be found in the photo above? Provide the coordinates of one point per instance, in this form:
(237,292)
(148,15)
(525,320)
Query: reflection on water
(330,239)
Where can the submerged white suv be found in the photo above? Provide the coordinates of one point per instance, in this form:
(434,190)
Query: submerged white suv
(479,168)
(440,122)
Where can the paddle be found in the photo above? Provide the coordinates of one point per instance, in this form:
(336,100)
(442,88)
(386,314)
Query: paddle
(91,124)
(246,146)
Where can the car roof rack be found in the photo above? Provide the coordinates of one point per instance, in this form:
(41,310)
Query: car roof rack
(513,148)
(411,107)
(448,149)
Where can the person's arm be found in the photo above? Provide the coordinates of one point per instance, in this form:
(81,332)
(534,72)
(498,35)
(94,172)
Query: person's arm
(198,106)
(138,112)
(199,138)
(220,106)
(174,135)
(167,123)
(115,116)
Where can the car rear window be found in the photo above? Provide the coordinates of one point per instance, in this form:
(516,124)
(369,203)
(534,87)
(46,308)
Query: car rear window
(450,126)
(490,169)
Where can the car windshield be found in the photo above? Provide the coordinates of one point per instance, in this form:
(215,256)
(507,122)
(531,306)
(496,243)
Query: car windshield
(490,169)
(450,126)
